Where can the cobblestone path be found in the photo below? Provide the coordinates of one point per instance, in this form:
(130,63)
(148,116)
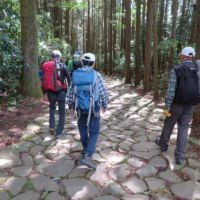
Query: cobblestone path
(130,165)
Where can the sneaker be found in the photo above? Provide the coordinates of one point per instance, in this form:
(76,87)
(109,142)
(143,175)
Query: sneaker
(86,160)
(163,148)
(60,134)
(51,129)
(179,161)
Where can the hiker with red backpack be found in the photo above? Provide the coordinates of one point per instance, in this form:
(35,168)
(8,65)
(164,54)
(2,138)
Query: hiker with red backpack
(182,95)
(87,94)
(76,63)
(54,86)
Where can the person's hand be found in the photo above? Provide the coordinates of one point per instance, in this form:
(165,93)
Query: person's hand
(46,97)
(167,113)
(103,111)
(72,112)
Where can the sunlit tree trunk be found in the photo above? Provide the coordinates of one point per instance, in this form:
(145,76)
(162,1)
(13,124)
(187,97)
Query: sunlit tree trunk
(110,39)
(173,31)
(88,43)
(137,44)
(143,22)
(122,30)
(30,84)
(196,116)
(114,38)
(147,63)
(194,21)
(105,36)
(56,18)
(127,42)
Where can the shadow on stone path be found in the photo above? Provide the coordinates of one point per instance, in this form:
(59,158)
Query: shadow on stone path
(130,165)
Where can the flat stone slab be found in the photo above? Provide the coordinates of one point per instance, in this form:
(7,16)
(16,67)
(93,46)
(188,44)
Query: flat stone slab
(27,159)
(193,163)
(98,158)
(54,196)
(134,197)
(184,189)
(58,169)
(135,185)
(193,174)
(4,196)
(136,128)
(36,140)
(100,174)
(63,148)
(194,141)
(51,150)
(36,150)
(66,138)
(142,138)
(104,144)
(41,182)
(125,145)
(145,146)
(113,188)
(110,133)
(14,185)
(77,146)
(114,139)
(155,183)
(125,123)
(158,162)
(79,171)
(41,159)
(9,158)
(3,177)
(33,127)
(30,195)
(145,155)
(153,127)
(135,162)
(27,135)
(22,171)
(107,197)
(170,176)
(79,188)
(147,170)
(23,146)
(113,156)
(119,172)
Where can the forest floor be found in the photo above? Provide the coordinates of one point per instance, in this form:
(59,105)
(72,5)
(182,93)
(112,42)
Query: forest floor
(35,165)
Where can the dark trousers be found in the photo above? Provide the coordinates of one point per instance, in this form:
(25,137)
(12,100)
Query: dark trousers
(181,114)
(89,141)
(60,98)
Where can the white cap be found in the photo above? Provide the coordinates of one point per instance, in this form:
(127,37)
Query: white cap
(188,51)
(89,57)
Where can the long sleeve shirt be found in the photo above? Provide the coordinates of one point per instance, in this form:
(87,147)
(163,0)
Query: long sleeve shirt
(172,84)
(103,95)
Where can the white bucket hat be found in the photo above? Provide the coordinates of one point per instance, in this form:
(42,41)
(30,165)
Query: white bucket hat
(188,51)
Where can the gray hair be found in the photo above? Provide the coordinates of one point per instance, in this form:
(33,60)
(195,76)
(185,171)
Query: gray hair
(56,54)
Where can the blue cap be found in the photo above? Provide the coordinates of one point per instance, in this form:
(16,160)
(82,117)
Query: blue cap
(76,54)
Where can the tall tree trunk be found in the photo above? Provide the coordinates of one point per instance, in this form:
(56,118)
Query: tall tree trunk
(182,38)
(194,21)
(110,39)
(105,37)
(88,44)
(45,6)
(173,31)
(67,22)
(56,21)
(161,30)
(143,22)
(30,84)
(127,42)
(147,63)
(196,116)
(166,10)
(114,38)
(155,49)
(137,44)
(122,30)
(83,31)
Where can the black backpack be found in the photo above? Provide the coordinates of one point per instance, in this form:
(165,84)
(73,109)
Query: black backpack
(188,88)
(76,65)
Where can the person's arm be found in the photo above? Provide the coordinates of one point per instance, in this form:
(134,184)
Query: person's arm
(172,84)
(67,75)
(103,95)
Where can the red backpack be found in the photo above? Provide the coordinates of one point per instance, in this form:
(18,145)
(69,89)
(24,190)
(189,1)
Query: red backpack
(50,77)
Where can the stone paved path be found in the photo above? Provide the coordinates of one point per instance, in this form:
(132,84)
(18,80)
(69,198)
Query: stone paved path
(130,165)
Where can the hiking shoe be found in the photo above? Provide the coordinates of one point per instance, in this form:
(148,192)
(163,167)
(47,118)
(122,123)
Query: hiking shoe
(60,134)
(51,129)
(179,161)
(163,148)
(86,160)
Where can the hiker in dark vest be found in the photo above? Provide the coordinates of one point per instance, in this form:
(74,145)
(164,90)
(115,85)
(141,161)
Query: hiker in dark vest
(182,95)
(55,87)
(75,63)
(87,94)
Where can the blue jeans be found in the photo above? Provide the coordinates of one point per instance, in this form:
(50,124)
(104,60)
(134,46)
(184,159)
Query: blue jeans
(89,142)
(60,98)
